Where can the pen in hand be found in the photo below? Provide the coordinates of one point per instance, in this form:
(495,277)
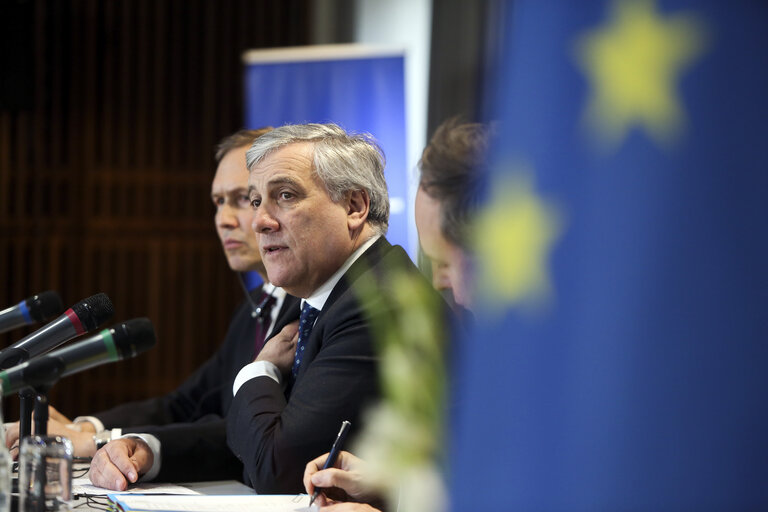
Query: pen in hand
(334,454)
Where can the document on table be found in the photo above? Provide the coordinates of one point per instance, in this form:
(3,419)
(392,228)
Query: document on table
(83,487)
(208,503)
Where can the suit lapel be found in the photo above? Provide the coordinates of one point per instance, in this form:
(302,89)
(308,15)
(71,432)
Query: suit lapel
(367,261)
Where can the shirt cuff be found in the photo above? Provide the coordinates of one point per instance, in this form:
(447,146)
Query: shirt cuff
(256,369)
(93,420)
(154,446)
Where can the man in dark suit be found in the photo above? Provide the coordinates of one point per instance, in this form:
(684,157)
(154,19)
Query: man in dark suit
(321,210)
(174,432)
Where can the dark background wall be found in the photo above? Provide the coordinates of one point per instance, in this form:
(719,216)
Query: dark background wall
(109,112)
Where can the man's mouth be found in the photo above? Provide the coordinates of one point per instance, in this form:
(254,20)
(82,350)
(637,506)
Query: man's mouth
(231,243)
(272,249)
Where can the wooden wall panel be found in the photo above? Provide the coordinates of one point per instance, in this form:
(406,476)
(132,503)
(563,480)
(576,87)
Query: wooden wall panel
(105,176)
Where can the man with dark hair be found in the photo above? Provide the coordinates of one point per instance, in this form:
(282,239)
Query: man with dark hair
(448,195)
(181,436)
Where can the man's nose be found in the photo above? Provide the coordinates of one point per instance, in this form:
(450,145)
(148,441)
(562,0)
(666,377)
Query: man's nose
(263,221)
(225,216)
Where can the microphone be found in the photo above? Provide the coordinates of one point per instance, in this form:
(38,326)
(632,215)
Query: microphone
(122,341)
(84,316)
(38,308)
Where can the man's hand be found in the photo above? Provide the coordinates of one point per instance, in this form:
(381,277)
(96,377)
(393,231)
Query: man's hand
(82,442)
(120,462)
(281,348)
(344,482)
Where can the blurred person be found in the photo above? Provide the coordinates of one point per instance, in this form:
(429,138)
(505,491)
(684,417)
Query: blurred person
(181,435)
(447,198)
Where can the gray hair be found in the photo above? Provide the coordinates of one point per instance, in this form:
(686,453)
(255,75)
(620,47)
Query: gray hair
(343,161)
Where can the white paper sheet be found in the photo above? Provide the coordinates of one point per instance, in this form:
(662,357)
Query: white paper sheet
(207,503)
(83,487)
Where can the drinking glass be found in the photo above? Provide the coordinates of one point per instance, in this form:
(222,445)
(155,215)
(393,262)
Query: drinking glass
(45,474)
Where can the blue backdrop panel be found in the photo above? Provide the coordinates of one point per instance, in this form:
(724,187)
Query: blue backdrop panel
(634,377)
(360,94)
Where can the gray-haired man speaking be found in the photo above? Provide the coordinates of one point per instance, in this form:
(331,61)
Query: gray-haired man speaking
(321,212)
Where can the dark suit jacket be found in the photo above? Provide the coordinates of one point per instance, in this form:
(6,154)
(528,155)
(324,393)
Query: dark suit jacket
(276,436)
(190,421)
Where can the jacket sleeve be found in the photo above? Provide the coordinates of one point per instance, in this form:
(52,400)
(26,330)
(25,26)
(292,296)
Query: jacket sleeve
(194,451)
(194,398)
(275,437)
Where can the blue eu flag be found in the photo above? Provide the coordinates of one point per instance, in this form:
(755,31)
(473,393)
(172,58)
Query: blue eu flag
(620,359)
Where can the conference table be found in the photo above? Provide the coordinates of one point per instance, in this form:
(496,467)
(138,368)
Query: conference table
(86,500)
(208,496)
(218,496)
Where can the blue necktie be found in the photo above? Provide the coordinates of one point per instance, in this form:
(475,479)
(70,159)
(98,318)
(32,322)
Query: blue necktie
(306,322)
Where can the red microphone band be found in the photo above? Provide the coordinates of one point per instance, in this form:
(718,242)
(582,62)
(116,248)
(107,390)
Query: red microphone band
(75,321)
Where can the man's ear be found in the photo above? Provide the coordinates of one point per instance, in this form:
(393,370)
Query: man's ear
(358,207)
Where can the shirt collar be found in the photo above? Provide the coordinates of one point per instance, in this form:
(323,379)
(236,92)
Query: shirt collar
(319,297)
(270,289)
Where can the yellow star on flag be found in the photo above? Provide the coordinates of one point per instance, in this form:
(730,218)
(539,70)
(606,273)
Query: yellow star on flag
(515,234)
(633,64)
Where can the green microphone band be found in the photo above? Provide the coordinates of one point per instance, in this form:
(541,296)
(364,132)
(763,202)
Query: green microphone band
(109,343)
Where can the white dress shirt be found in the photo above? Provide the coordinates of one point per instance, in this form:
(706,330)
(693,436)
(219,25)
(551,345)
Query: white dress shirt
(317,300)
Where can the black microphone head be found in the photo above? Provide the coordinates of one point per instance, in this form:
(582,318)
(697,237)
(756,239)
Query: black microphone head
(133,337)
(44,306)
(94,311)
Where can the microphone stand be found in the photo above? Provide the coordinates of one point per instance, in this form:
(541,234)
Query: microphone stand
(26,406)
(41,411)
(36,397)
(29,398)
(39,399)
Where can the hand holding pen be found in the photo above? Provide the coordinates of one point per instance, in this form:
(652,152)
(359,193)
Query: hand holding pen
(342,483)
(330,460)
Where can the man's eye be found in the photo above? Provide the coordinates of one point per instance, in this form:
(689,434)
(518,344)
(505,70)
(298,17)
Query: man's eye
(218,201)
(255,203)
(286,195)
(243,200)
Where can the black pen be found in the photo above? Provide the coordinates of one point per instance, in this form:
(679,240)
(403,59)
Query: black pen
(334,454)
